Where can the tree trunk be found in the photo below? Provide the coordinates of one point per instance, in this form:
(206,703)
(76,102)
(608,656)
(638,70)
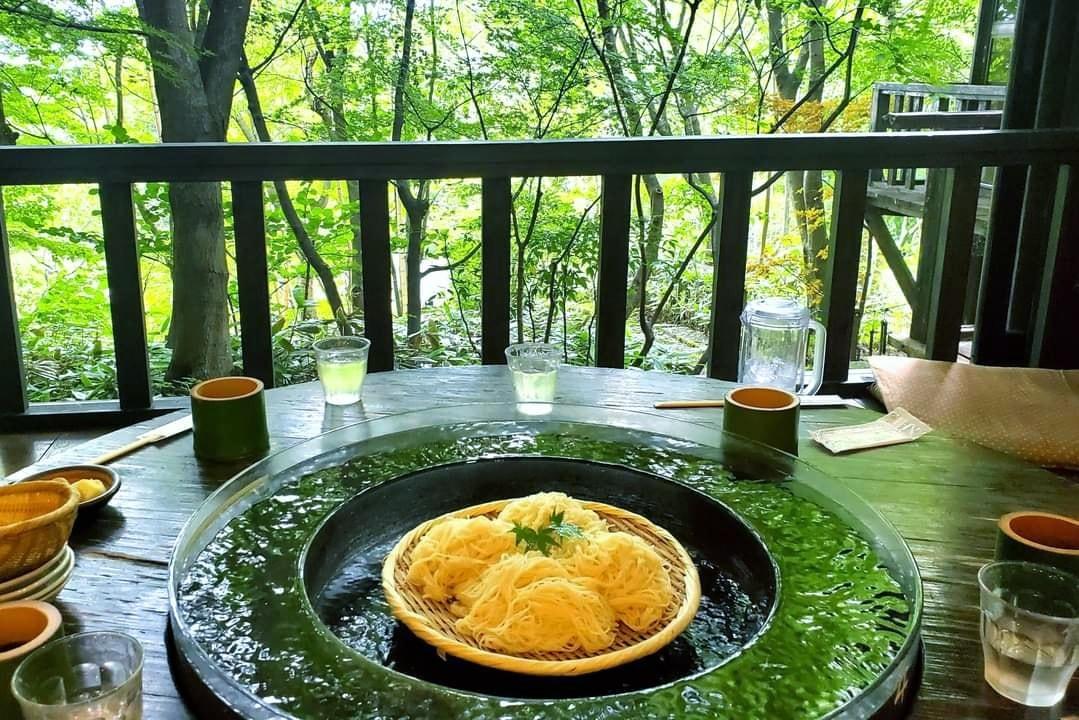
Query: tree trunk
(817,228)
(653,235)
(804,188)
(303,238)
(355,273)
(416,213)
(199,331)
(193,81)
(416,204)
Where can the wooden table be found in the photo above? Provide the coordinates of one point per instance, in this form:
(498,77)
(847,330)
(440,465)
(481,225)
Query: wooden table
(944,497)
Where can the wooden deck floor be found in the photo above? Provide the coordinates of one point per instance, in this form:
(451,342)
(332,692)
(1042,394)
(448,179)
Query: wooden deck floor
(899,200)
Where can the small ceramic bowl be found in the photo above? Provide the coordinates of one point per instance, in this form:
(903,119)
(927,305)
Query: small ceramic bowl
(74,473)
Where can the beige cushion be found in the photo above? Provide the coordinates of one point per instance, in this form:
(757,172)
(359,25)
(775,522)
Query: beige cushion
(1030,413)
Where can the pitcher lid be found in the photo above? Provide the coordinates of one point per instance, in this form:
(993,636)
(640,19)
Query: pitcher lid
(776,312)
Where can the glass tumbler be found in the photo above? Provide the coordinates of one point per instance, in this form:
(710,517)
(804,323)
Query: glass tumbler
(342,367)
(1030,630)
(534,369)
(89,676)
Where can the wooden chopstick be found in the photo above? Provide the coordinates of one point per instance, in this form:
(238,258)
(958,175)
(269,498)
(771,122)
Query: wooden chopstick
(806,401)
(678,404)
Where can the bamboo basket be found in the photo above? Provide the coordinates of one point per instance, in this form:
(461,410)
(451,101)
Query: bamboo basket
(35,522)
(435,624)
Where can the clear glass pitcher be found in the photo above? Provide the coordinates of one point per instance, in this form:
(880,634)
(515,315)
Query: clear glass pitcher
(775,332)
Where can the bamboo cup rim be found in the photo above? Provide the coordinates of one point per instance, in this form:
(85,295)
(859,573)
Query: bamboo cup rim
(227,388)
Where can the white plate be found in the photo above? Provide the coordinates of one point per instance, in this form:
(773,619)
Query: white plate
(45,581)
(53,590)
(25,579)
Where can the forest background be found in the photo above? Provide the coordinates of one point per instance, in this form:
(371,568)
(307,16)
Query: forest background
(117,71)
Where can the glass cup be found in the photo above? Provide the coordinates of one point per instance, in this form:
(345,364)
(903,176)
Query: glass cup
(89,676)
(1030,630)
(534,369)
(342,367)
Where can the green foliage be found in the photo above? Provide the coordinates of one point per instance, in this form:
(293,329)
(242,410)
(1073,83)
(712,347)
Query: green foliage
(326,71)
(548,537)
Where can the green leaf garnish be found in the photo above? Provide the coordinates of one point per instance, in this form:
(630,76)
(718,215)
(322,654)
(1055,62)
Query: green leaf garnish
(544,538)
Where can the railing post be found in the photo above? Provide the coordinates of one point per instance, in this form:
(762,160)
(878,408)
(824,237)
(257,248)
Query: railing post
(882,103)
(12,380)
(125,296)
(375,252)
(729,277)
(497,204)
(933,219)
(613,271)
(960,188)
(841,283)
(252,280)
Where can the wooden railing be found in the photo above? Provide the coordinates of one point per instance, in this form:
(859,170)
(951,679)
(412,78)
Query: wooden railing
(918,192)
(916,106)
(247,166)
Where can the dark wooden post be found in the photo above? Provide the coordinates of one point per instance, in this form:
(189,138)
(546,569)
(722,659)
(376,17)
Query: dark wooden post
(125,296)
(613,272)
(933,228)
(993,343)
(959,189)
(497,205)
(375,252)
(252,280)
(841,283)
(1055,340)
(983,39)
(12,380)
(1042,178)
(729,280)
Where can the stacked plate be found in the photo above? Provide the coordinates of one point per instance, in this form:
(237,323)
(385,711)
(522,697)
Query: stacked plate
(42,583)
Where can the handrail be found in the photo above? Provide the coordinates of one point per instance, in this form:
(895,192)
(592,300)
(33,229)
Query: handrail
(183,162)
(961,91)
(959,156)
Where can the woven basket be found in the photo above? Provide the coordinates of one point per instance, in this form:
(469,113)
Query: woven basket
(435,624)
(35,522)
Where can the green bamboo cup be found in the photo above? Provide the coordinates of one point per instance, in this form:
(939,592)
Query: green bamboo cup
(229,419)
(767,415)
(24,627)
(1039,537)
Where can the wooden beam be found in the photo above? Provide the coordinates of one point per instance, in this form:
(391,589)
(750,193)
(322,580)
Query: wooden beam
(613,271)
(950,272)
(989,120)
(252,280)
(12,379)
(198,162)
(841,283)
(375,252)
(729,278)
(878,230)
(125,296)
(497,204)
(69,415)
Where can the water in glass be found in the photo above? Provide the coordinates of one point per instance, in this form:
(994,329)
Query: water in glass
(342,368)
(1030,631)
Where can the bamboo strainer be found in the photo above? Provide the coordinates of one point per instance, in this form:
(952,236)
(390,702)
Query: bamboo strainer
(35,522)
(435,624)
